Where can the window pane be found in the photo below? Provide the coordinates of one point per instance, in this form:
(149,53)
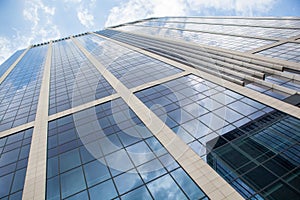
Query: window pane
(165,188)
(72,182)
(140,193)
(127,181)
(104,190)
(188,186)
(95,172)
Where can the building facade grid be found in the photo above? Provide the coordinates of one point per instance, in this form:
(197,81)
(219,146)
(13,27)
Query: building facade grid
(180,98)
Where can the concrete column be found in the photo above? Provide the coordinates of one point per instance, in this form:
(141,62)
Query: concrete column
(35,181)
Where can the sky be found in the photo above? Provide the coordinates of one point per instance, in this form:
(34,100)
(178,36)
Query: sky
(25,22)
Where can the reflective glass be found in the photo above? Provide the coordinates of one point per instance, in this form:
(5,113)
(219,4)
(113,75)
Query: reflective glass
(140,193)
(119,158)
(268,22)
(95,172)
(4,66)
(237,43)
(53,188)
(74,80)
(72,182)
(243,140)
(287,51)
(128,181)
(69,160)
(242,30)
(165,188)
(187,185)
(130,67)
(20,90)
(13,163)
(104,190)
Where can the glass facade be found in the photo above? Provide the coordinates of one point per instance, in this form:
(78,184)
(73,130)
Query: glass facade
(19,92)
(237,43)
(222,66)
(288,51)
(233,133)
(224,28)
(111,161)
(130,67)
(10,61)
(263,163)
(288,83)
(194,78)
(198,110)
(74,80)
(14,152)
(277,23)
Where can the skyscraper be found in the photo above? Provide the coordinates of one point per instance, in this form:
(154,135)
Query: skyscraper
(161,108)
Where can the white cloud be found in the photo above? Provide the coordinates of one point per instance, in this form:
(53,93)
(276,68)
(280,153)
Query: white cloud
(239,7)
(84,12)
(85,18)
(32,8)
(42,29)
(5,47)
(132,10)
(50,11)
(138,9)
(72,1)
(41,16)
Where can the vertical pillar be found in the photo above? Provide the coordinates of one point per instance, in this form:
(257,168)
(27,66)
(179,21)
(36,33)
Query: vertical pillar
(35,181)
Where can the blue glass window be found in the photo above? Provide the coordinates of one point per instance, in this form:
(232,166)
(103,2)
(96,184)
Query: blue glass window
(140,193)
(237,43)
(116,160)
(241,132)
(53,188)
(287,51)
(72,182)
(187,185)
(13,163)
(127,181)
(130,67)
(74,80)
(95,172)
(169,189)
(69,160)
(20,90)
(104,190)
(80,196)
(4,66)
